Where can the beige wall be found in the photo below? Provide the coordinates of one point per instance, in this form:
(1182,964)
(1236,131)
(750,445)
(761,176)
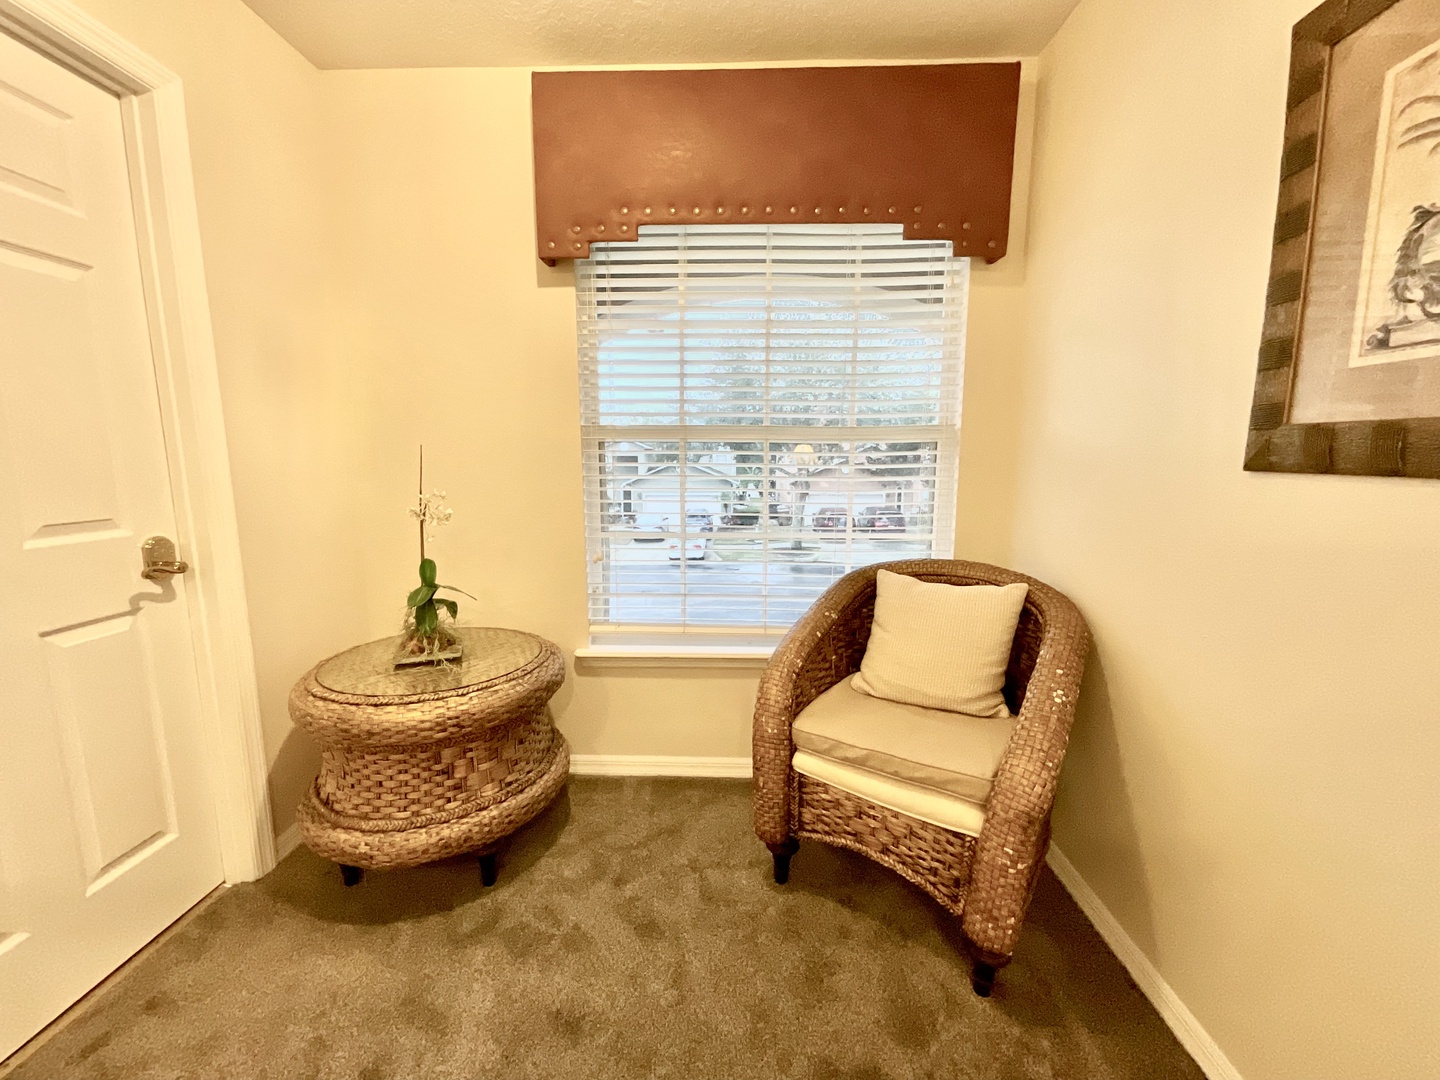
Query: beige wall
(467,342)
(1254,784)
(295,425)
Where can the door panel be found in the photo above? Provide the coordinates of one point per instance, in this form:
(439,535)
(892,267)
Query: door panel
(109,729)
(33,158)
(107,830)
(65,466)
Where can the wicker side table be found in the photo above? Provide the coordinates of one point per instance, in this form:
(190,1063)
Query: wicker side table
(422,763)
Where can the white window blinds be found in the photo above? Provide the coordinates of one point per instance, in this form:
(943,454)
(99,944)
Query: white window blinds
(764,409)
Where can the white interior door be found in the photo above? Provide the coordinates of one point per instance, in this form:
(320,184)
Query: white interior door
(107,823)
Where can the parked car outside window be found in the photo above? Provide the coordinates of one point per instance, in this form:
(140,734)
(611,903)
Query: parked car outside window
(880,519)
(663,525)
(694,547)
(690,545)
(699,523)
(741,516)
(831,519)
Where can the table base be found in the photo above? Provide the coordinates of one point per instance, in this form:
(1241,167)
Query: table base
(477,832)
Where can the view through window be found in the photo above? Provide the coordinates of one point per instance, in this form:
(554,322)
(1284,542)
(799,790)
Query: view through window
(764,409)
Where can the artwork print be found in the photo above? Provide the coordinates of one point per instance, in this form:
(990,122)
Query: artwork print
(1398,312)
(1347,378)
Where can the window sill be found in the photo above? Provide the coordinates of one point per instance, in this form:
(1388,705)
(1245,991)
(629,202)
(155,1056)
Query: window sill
(675,656)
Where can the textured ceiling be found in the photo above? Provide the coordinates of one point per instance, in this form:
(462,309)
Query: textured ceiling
(546,33)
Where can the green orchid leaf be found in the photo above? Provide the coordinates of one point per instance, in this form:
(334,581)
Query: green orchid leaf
(427,620)
(427,571)
(462,592)
(450,606)
(419,595)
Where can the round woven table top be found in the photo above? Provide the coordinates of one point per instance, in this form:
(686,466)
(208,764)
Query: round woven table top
(488,653)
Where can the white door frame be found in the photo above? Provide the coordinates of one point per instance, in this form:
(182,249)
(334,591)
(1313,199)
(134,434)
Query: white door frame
(152,104)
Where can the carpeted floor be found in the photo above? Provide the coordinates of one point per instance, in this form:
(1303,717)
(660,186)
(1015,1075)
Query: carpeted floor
(634,933)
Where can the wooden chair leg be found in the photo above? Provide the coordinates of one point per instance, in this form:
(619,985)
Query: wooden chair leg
(488,870)
(781,853)
(982,978)
(351,875)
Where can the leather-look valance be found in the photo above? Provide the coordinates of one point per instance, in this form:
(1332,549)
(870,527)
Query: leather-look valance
(930,146)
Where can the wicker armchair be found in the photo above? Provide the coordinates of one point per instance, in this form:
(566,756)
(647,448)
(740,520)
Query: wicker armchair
(987,880)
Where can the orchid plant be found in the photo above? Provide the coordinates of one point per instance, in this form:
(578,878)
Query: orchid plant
(427,639)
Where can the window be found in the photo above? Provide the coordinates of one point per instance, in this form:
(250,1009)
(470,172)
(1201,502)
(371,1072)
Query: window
(764,409)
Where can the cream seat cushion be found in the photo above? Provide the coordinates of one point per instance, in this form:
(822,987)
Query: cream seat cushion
(941,646)
(912,800)
(932,764)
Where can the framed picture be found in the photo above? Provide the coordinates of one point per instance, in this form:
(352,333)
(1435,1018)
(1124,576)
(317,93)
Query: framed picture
(1349,374)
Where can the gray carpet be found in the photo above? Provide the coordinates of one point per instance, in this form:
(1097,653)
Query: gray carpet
(634,933)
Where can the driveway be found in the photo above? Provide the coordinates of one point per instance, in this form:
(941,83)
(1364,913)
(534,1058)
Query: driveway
(732,586)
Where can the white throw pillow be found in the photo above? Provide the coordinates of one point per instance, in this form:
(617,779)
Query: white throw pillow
(941,646)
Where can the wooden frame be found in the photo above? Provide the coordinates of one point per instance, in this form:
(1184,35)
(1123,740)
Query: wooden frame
(1405,447)
(168,228)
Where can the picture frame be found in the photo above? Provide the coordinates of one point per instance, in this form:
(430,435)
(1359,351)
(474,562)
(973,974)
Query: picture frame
(1348,379)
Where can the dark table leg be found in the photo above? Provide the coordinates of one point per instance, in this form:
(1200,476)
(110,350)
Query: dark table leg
(982,979)
(488,870)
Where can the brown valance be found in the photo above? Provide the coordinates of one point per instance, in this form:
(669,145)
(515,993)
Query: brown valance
(930,146)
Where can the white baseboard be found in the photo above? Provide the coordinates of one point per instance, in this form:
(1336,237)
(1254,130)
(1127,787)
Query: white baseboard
(1194,1038)
(287,841)
(655,765)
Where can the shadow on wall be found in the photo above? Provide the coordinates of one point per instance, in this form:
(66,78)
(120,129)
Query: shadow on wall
(291,773)
(1094,818)
(559,276)
(632,708)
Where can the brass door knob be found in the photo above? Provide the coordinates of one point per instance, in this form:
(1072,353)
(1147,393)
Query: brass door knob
(157,556)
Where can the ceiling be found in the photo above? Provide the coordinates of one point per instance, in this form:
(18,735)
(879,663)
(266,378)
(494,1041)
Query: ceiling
(562,33)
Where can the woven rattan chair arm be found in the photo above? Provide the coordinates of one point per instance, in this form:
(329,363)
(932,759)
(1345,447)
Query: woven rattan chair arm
(1017,814)
(825,646)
